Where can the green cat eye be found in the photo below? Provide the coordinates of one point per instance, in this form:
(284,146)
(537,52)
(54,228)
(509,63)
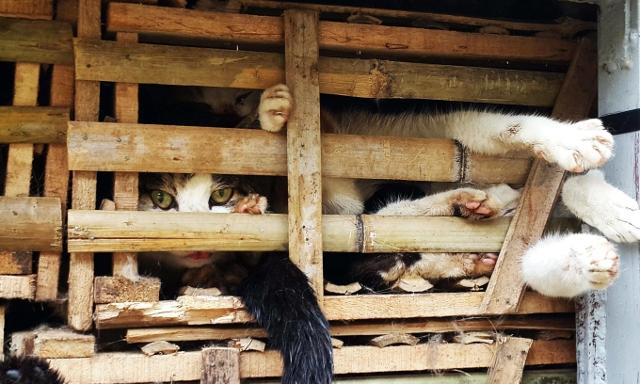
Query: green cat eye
(221,196)
(161,199)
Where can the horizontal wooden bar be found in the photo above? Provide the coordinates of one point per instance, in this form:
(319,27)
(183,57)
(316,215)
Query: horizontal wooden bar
(336,36)
(18,287)
(35,41)
(27,9)
(135,148)
(186,366)
(52,343)
(30,224)
(133,231)
(38,125)
(202,310)
(171,65)
(16,263)
(200,333)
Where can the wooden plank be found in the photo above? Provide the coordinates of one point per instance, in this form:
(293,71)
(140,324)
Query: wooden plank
(27,9)
(203,310)
(133,147)
(110,289)
(220,366)
(369,328)
(56,182)
(185,366)
(52,343)
(20,157)
(172,65)
(125,184)
(18,287)
(30,224)
(304,172)
(35,41)
(379,40)
(509,360)
(15,263)
(87,104)
(124,231)
(33,124)
(574,102)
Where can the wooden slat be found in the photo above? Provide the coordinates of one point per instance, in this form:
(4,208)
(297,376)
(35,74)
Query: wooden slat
(49,343)
(30,224)
(160,64)
(191,310)
(130,148)
(138,368)
(220,366)
(376,40)
(304,172)
(124,231)
(18,287)
(33,124)
(574,102)
(56,181)
(35,41)
(509,360)
(27,9)
(87,104)
(15,262)
(194,333)
(110,289)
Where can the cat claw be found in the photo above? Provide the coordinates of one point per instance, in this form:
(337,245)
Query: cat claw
(578,147)
(472,203)
(253,204)
(274,109)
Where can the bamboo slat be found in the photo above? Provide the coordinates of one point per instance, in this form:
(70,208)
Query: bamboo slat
(33,124)
(171,65)
(135,147)
(30,224)
(35,41)
(124,231)
(379,40)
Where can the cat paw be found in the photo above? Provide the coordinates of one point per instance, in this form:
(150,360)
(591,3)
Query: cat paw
(207,276)
(577,147)
(472,203)
(479,264)
(601,265)
(274,109)
(253,204)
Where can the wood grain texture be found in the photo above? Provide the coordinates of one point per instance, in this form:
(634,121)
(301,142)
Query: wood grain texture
(15,262)
(112,289)
(33,124)
(18,287)
(27,9)
(574,102)
(125,231)
(509,360)
(171,65)
(35,41)
(135,147)
(378,40)
(51,343)
(138,368)
(30,224)
(220,366)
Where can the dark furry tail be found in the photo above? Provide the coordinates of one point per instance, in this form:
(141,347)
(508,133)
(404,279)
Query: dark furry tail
(31,370)
(279,296)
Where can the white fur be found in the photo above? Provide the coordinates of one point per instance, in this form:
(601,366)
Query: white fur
(570,265)
(603,206)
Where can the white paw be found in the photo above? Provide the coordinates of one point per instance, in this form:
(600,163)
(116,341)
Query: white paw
(603,206)
(253,204)
(275,106)
(598,263)
(577,147)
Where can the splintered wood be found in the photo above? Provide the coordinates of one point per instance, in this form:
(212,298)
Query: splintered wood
(51,343)
(509,360)
(220,366)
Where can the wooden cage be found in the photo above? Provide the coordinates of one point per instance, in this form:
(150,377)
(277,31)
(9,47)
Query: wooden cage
(172,46)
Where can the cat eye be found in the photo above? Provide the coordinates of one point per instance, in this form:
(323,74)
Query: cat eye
(221,196)
(161,199)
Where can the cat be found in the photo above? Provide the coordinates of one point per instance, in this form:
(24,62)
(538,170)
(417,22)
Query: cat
(28,370)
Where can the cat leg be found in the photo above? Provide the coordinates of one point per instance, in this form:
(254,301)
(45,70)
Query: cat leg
(438,266)
(464,202)
(274,108)
(567,266)
(344,196)
(253,204)
(575,147)
(599,204)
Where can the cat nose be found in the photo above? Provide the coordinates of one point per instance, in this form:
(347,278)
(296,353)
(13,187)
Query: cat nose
(191,206)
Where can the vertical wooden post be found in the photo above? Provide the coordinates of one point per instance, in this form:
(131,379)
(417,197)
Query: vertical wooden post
(220,366)
(2,313)
(303,145)
(87,104)
(125,185)
(56,182)
(509,360)
(574,102)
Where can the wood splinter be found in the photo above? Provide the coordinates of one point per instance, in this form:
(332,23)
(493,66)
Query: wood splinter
(475,338)
(160,348)
(394,339)
(247,344)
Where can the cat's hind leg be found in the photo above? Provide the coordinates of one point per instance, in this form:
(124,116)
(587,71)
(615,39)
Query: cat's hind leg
(570,265)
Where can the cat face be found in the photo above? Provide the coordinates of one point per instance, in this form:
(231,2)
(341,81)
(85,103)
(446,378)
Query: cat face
(195,193)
